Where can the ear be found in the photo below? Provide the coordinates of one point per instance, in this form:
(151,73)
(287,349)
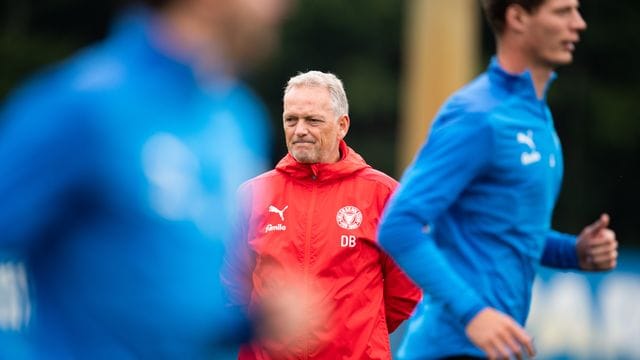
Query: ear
(516,18)
(343,126)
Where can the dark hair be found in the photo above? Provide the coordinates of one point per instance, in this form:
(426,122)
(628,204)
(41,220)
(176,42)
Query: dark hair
(495,10)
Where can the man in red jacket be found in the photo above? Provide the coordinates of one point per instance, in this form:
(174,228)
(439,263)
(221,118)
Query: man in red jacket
(309,228)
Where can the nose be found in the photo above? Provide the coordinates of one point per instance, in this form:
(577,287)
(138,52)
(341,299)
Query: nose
(301,129)
(578,22)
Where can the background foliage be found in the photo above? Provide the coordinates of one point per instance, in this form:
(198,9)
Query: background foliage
(594,100)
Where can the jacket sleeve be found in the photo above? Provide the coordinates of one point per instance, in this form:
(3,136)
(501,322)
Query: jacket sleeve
(454,155)
(560,251)
(239,260)
(47,151)
(401,295)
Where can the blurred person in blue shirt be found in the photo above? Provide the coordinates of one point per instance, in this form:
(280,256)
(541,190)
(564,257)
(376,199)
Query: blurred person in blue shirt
(118,169)
(472,216)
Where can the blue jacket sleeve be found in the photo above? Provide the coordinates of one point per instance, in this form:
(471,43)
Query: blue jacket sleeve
(454,154)
(43,150)
(560,251)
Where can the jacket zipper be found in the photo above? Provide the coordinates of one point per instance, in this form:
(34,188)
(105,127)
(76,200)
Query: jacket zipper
(307,249)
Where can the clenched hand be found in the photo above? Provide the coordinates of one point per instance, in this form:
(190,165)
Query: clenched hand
(597,246)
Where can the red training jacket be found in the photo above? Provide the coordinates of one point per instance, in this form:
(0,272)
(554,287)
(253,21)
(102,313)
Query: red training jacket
(316,223)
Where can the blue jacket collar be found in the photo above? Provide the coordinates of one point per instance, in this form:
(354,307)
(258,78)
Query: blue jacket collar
(521,83)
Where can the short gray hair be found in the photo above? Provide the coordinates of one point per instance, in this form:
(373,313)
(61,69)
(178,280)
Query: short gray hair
(327,80)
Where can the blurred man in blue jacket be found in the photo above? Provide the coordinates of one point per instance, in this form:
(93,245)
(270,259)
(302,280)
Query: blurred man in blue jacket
(472,216)
(118,170)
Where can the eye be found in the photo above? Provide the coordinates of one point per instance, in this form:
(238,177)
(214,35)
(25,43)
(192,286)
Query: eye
(565,11)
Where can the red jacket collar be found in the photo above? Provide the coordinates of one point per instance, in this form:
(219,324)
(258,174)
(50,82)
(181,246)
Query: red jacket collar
(349,163)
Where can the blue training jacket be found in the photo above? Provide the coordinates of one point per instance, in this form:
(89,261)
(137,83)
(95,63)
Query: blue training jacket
(472,215)
(118,170)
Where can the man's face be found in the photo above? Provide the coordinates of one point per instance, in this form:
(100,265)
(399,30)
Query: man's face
(552,31)
(312,129)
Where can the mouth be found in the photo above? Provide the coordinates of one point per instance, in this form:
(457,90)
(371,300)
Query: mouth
(301,142)
(569,45)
